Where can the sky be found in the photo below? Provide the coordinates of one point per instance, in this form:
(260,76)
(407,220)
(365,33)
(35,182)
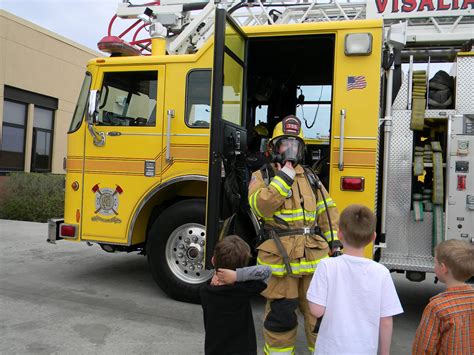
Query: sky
(83,21)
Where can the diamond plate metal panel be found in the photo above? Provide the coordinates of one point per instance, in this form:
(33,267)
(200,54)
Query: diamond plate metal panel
(401,101)
(408,262)
(465,84)
(378,169)
(439,114)
(408,242)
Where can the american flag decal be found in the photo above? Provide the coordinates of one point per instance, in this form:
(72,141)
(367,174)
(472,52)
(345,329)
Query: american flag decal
(356,82)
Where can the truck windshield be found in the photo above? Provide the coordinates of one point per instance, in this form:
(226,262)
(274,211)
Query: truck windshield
(81,104)
(128,99)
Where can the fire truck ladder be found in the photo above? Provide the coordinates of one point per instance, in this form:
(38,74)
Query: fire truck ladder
(187,25)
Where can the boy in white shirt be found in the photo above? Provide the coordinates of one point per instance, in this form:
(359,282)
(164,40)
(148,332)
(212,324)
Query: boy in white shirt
(355,295)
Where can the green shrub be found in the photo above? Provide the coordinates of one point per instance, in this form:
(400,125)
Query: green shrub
(32,197)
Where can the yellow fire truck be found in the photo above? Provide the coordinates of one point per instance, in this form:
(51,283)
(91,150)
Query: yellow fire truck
(160,137)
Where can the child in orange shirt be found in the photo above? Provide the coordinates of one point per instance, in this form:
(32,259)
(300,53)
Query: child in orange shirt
(447,325)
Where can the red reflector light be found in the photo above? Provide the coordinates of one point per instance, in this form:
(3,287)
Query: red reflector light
(68,231)
(461,182)
(352,183)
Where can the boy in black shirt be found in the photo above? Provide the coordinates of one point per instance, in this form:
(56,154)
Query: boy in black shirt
(228,319)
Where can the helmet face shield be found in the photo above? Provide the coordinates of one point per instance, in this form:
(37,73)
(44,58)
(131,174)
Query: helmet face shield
(289,149)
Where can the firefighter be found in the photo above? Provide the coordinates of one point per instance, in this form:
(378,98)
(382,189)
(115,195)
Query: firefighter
(297,219)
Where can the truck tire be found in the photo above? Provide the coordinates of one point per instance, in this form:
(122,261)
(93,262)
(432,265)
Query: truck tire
(175,250)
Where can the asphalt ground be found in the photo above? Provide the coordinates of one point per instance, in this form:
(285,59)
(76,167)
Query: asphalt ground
(70,298)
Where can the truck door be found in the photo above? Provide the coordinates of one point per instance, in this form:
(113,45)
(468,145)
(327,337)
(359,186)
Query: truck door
(228,134)
(126,162)
(355,117)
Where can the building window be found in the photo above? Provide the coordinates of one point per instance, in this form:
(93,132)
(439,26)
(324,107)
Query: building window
(12,145)
(198,99)
(42,143)
(20,130)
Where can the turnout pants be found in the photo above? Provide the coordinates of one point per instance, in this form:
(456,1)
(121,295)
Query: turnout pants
(287,293)
(281,322)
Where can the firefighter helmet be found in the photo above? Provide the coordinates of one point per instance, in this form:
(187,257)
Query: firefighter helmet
(287,142)
(289,126)
(261,130)
(258,138)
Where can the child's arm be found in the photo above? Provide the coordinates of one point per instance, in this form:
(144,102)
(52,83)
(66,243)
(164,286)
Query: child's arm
(385,337)
(389,307)
(258,272)
(318,291)
(316,309)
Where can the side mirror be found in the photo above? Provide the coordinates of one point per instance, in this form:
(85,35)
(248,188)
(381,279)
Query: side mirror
(92,108)
(92,115)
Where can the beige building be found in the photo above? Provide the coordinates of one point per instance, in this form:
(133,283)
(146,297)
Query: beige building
(40,79)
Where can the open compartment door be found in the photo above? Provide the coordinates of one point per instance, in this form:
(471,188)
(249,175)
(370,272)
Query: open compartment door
(228,136)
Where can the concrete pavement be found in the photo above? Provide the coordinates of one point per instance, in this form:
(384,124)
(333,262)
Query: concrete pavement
(69,298)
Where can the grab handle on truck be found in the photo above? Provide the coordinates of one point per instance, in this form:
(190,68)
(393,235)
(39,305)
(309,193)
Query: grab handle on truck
(341,140)
(170,114)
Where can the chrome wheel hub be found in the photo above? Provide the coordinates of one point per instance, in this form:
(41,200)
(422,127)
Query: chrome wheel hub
(185,253)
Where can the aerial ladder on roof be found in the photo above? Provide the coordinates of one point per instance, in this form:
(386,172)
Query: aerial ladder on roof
(187,25)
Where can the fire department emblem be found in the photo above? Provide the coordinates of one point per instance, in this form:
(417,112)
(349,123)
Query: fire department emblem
(106,200)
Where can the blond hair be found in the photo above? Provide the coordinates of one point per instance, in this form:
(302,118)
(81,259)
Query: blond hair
(357,224)
(458,256)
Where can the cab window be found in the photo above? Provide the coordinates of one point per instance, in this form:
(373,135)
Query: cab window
(261,113)
(128,99)
(314,110)
(198,99)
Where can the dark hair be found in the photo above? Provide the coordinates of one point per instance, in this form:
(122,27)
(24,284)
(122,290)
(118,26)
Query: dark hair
(357,224)
(458,256)
(231,253)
